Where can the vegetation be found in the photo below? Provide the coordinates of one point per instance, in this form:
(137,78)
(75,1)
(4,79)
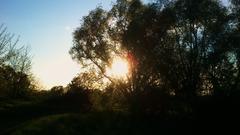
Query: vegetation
(184,73)
(15,65)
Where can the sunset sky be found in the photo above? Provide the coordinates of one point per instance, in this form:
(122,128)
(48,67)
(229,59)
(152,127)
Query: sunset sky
(46,26)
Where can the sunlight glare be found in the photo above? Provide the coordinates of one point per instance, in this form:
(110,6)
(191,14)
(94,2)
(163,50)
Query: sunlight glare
(119,68)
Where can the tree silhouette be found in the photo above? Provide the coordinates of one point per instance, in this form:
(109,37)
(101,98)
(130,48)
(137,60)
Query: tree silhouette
(7,44)
(183,48)
(185,45)
(15,65)
(234,41)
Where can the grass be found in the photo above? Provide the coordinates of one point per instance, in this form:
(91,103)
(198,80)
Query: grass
(89,124)
(49,117)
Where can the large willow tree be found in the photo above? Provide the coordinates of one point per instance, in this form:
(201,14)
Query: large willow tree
(185,47)
(99,38)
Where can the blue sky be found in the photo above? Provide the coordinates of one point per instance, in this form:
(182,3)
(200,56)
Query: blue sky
(47,26)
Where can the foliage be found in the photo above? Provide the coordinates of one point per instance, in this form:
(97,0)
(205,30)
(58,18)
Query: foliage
(182,48)
(184,59)
(15,65)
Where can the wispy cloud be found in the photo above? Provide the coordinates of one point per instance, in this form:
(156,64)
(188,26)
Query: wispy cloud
(67,28)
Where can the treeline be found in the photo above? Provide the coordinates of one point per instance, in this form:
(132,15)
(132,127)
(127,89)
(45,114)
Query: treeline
(184,76)
(181,52)
(184,55)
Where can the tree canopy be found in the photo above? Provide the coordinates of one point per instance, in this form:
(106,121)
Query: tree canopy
(185,48)
(15,65)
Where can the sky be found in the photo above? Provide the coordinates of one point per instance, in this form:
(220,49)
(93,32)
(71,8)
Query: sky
(46,26)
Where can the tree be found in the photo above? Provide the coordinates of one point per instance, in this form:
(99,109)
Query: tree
(99,38)
(234,43)
(91,46)
(15,65)
(187,41)
(185,48)
(57,91)
(89,80)
(7,44)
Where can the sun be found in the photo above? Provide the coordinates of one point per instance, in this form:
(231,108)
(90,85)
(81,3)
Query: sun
(119,68)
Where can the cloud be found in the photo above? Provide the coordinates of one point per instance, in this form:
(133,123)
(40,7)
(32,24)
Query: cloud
(67,28)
